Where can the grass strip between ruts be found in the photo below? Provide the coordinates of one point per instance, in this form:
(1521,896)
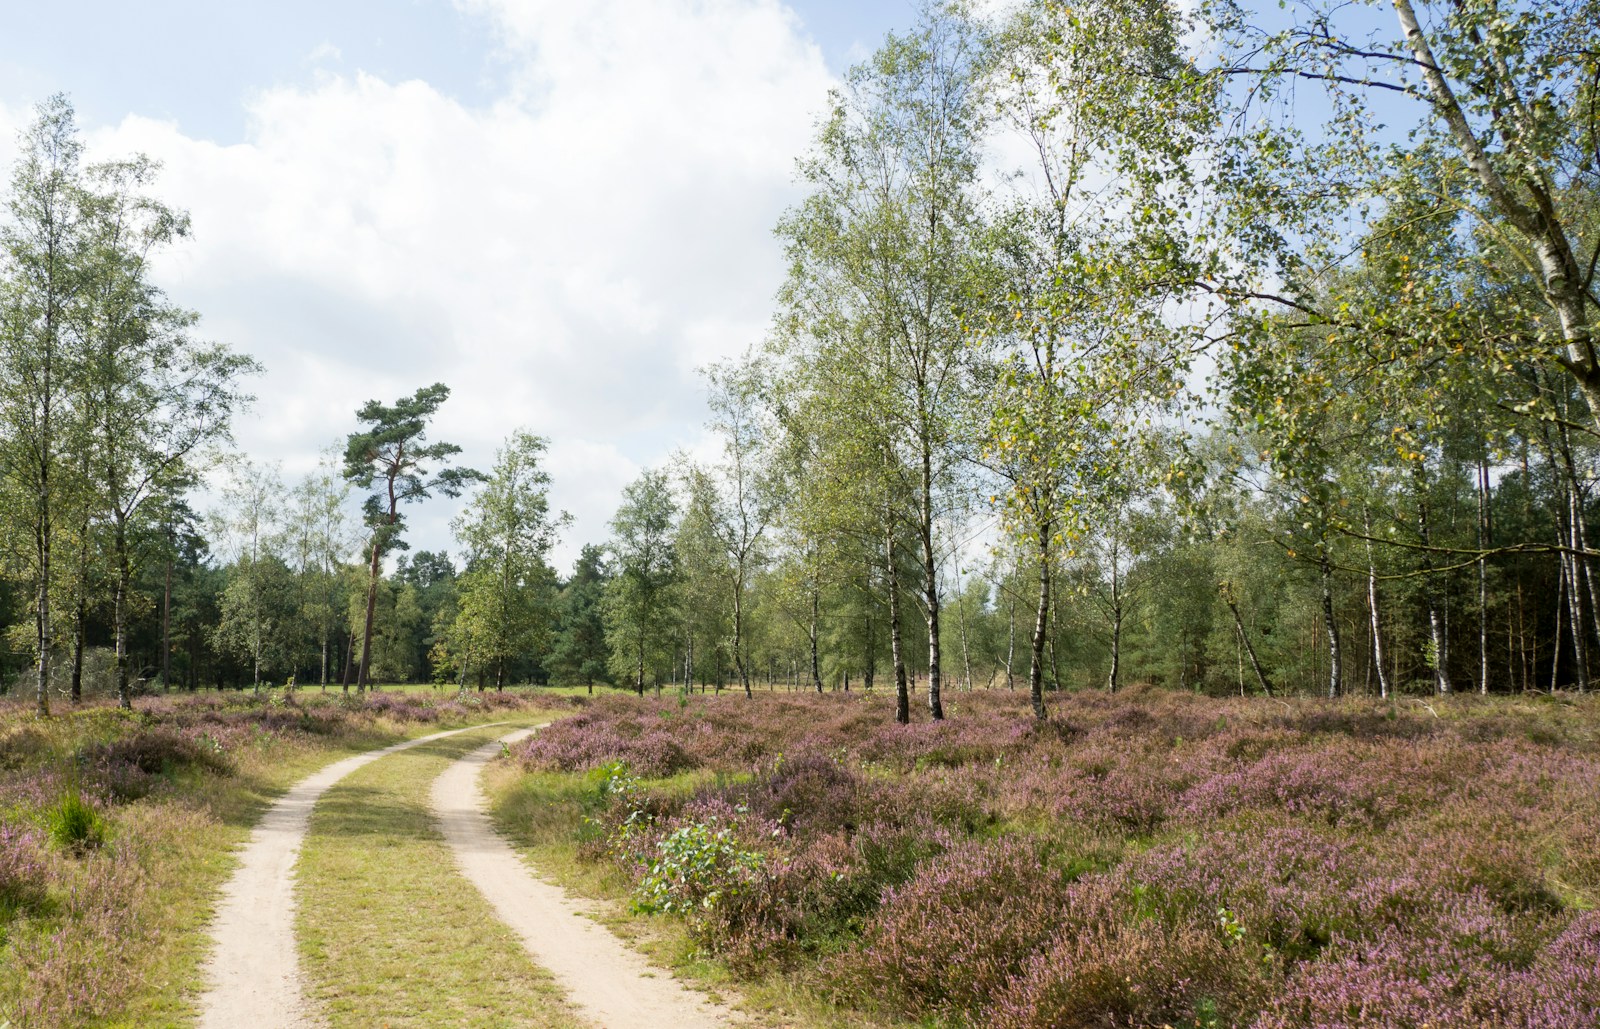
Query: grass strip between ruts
(390,933)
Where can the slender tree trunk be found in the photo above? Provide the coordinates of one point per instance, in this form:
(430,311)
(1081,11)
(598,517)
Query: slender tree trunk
(1438,629)
(930,588)
(120,612)
(1555,650)
(1384,688)
(816,664)
(166,637)
(1244,637)
(42,638)
(349,662)
(966,654)
(1113,678)
(738,632)
(1011,640)
(80,628)
(902,695)
(1575,625)
(1055,664)
(1484,540)
(870,664)
(1526,665)
(1041,626)
(638,677)
(372,608)
(1335,652)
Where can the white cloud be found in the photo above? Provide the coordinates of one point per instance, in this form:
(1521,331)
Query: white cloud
(563,258)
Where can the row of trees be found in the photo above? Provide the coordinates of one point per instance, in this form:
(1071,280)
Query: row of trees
(1242,387)
(1225,382)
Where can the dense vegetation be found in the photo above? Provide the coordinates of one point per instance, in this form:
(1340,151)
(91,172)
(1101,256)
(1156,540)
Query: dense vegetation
(1148,859)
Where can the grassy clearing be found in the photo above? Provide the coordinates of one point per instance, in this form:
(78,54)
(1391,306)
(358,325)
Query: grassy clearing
(544,815)
(112,936)
(391,933)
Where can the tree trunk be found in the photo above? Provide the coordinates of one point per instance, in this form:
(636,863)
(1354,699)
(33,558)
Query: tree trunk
(816,664)
(42,639)
(349,662)
(1384,688)
(1244,637)
(1116,617)
(372,608)
(870,663)
(738,637)
(902,695)
(1555,650)
(120,613)
(1438,630)
(1580,641)
(1335,652)
(166,637)
(1011,640)
(80,627)
(930,588)
(1484,534)
(966,654)
(1041,627)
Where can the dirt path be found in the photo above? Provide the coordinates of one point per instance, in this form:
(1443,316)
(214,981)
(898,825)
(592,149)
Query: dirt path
(252,975)
(605,979)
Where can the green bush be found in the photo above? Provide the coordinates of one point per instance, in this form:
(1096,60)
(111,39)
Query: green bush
(698,867)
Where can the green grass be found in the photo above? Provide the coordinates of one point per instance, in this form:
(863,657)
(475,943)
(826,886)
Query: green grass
(136,927)
(391,933)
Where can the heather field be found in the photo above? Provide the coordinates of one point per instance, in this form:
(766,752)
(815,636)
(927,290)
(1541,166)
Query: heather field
(116,829)
(1147,859)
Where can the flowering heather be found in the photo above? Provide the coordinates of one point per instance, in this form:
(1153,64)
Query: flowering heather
(952,937)
(22,870)
(1144,859)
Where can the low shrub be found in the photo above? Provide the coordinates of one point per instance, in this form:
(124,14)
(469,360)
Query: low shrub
(698,865)
(949,940)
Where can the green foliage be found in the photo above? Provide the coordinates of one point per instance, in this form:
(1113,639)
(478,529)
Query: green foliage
(700,865)
(73,825)
(639,601)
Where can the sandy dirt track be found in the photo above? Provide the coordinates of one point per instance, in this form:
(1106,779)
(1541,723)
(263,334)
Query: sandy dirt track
(606,980)
(252,976)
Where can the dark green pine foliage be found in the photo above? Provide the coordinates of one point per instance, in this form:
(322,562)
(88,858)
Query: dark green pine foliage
(580,647)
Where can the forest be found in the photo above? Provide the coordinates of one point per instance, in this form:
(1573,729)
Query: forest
(1222,350)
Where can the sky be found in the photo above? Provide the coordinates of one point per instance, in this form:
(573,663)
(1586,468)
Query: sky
(560,210)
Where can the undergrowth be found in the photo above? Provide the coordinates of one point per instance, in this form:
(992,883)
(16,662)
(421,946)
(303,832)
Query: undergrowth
(1145,859)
